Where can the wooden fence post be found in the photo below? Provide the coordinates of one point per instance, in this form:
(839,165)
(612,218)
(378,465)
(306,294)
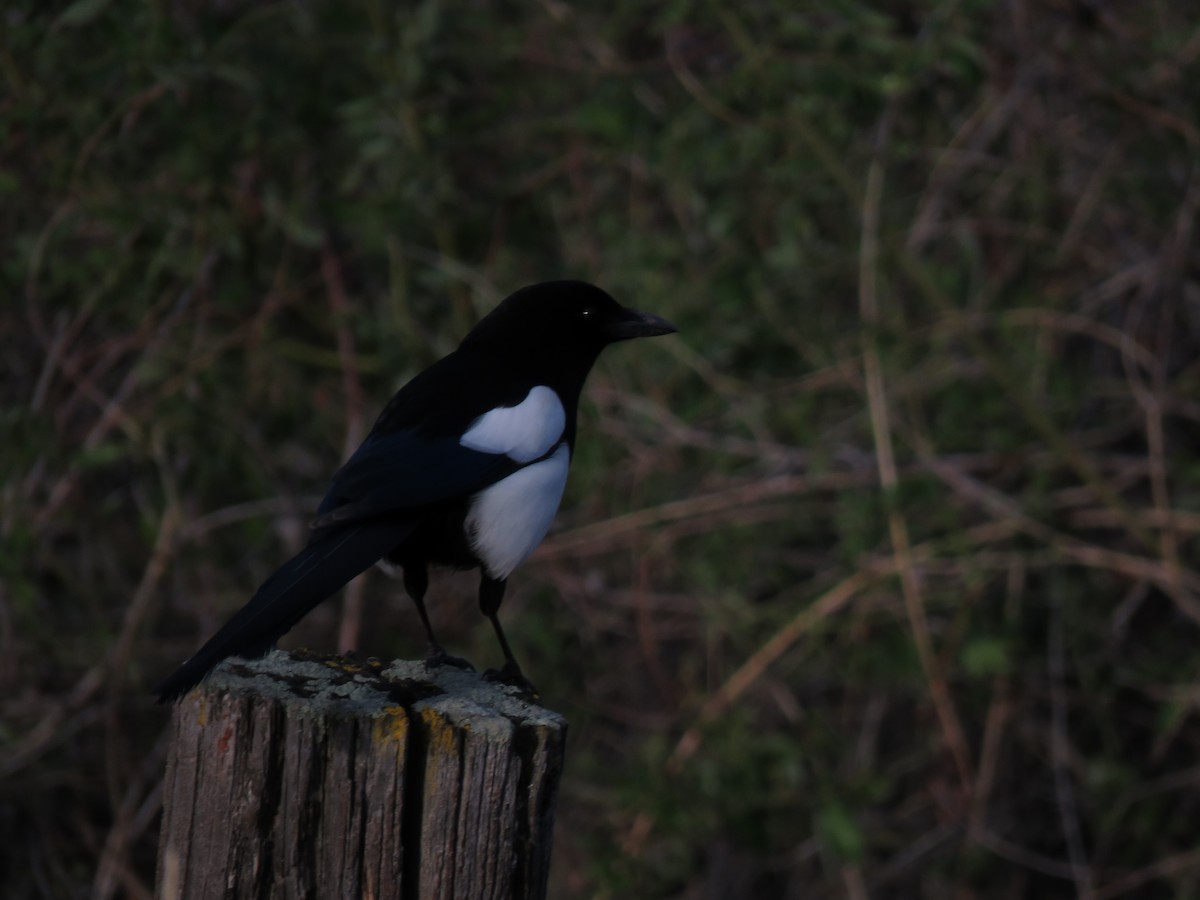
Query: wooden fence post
(305,777)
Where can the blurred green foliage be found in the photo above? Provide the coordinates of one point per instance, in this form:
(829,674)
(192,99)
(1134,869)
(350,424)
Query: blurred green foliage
(232,229)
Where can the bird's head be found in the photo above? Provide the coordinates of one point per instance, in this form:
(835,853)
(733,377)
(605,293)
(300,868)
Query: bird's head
(563,320)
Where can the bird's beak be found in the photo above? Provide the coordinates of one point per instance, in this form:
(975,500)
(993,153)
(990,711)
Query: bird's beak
(635,323)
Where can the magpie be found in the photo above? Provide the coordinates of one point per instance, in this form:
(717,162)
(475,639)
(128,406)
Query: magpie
(464,468)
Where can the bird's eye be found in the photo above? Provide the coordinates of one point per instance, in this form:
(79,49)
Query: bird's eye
(586,313)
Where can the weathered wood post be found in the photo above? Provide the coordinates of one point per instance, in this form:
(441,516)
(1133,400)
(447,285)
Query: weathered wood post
(293,777)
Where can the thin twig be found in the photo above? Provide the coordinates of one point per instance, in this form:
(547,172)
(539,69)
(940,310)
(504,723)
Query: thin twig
(1064,792)
(350,624)
(989,757)
(881,429)
(1156,871)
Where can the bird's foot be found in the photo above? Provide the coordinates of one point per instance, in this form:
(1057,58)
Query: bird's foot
(510,673)
(438,657)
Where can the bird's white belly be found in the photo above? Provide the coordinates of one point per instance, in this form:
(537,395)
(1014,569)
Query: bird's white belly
(508,520)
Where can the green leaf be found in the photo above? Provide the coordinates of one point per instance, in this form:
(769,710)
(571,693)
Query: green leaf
(840,832)
(985,657)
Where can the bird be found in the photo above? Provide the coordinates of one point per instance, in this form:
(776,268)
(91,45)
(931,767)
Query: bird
(464,468)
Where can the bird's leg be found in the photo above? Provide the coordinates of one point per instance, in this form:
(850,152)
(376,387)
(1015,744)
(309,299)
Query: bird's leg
(491,592)
(416,582)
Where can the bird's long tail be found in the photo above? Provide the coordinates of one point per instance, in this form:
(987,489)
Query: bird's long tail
(322,567)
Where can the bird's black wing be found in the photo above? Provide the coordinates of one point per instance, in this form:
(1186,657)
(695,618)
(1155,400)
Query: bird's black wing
(393,474)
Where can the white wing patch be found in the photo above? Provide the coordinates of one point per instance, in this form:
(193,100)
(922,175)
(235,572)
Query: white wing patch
(509,519)
(522,432)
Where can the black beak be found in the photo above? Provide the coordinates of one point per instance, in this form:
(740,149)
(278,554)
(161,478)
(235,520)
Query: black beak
(635,324)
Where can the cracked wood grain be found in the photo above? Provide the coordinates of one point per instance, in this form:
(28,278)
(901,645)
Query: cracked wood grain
(293,777)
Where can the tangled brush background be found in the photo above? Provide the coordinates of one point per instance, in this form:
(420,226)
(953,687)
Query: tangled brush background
(879,581)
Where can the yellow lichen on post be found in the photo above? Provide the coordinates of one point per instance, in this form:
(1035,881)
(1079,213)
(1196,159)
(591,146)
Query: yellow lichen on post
(392,725)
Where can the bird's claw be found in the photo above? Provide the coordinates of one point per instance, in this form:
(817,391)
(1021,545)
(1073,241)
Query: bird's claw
(511,674)
(438,657)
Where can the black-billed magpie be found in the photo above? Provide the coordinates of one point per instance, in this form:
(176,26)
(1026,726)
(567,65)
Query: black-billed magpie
(464,468)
